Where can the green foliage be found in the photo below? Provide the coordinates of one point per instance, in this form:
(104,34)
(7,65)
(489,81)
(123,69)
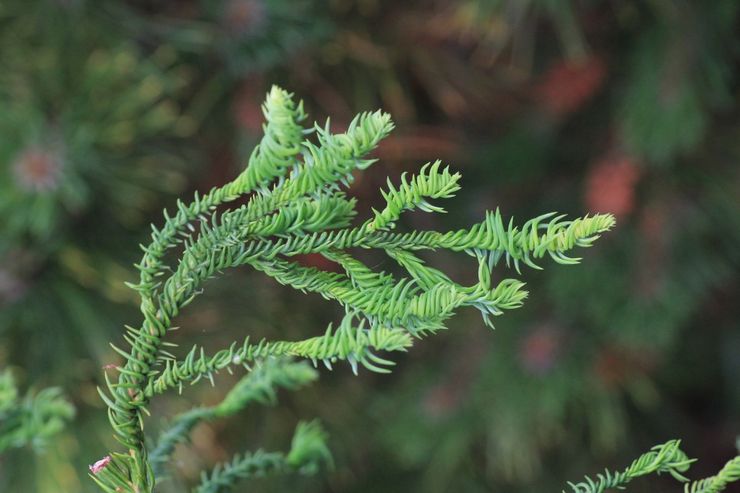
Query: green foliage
(661,458)
(30,419)
(246,36)
(305,211)
(259,385)
(670,89)
(86,128)
(714,484)
(57,157)
(543,105)
(308,451)
(665,458)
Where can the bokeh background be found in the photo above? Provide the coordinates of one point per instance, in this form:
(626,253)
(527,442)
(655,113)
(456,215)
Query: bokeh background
(110,110)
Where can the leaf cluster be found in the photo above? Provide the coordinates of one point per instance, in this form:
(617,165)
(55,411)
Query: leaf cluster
(665,458)
(293,204)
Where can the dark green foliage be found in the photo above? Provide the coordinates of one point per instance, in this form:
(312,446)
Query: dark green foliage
(259,385)
(307,452)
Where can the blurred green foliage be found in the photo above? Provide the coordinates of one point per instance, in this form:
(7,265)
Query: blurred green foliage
(30,419)
(108,110)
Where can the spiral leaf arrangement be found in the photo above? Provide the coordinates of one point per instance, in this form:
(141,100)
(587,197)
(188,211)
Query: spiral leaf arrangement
(665,458)
(714,484)
(294,204)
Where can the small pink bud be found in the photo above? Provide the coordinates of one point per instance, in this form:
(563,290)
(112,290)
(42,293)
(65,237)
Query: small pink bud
(100,465)
(110,366)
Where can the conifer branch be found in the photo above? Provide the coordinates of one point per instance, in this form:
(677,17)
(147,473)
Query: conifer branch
(259,385)
(296,206)
(714,484)
(350,342)
(307,452)
(667,457)
(429,183)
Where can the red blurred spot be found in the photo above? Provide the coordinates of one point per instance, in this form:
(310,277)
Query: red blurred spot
(615,366)
(245,17)
(567,85)
(246,107)
(540,350)
(441,400)
(318,261)
(610,184)
(38,170)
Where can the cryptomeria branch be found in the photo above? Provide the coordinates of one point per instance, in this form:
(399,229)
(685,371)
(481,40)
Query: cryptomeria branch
(294,206)
(308,449)
(661,458)
(259,385)
(665,458)
(714,484)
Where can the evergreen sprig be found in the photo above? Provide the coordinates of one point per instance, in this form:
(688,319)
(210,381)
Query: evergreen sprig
(295,205)
(665,458)
(714,484)
(259,385)
(33,418)
(307,452)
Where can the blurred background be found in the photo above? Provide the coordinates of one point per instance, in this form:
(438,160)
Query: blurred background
(110,110)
